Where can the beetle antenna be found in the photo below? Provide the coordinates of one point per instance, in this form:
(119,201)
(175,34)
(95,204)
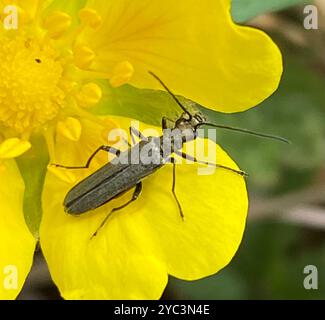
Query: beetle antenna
(172,94)
(245,131)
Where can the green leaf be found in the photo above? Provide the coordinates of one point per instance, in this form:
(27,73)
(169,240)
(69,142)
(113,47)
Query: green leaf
(243,10)
(33,167)
(142,104)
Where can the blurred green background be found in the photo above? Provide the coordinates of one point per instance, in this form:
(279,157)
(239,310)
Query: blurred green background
(286,226)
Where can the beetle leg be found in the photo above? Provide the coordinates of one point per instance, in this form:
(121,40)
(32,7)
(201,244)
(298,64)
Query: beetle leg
(164,123)
(127,142)
(138,134)
(173,161)
(193,159)
(135,196)
(108,149)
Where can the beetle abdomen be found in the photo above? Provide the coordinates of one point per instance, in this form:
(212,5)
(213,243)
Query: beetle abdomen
(108,182)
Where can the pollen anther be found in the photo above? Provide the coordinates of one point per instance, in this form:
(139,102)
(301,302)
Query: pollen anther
(70,128)
(90,17)
(83,57)
(57,24)
(122,74)
(89,95)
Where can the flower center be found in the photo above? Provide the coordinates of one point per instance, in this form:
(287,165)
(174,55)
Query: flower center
(30,76)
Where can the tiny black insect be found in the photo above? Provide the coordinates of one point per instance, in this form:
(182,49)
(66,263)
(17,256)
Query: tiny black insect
(114,179)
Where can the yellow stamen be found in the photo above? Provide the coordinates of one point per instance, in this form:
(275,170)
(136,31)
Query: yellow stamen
(89,95)
(57,24)
(71,128)
(90,17)
(122,74)
(67,85)
(83,57)
(12,148)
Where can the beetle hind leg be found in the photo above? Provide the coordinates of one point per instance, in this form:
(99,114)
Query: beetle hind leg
(135,196)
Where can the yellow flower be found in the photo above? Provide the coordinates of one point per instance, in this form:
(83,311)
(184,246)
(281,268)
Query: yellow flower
(52,70)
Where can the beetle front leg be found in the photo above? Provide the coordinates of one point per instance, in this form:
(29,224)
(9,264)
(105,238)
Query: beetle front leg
(108,149)
(136,133)
(193,159)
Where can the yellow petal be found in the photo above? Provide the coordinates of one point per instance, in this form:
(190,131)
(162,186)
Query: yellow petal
(195,48)
(14,147)
(140,245)
(215,208)
(16,244)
